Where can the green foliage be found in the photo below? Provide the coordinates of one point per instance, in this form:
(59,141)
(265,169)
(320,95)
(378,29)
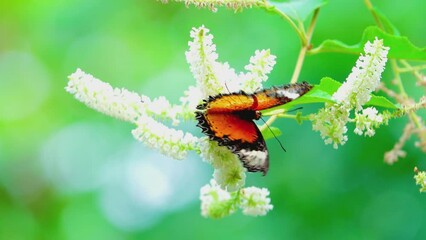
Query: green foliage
(330,86)
(400,47)
(298,10)
(380,101)
(387,24)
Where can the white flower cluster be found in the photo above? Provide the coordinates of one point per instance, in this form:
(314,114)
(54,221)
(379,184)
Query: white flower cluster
(217,203)
(255,201)
(115,102)
(229,172)
(365,76)
(214,77)
(352,95)
(190,100)
(367,121)
(170,142)
(213,4)
(331,121)
(202,57)
(420,178)
(137,109)
(260,65)
(161,108)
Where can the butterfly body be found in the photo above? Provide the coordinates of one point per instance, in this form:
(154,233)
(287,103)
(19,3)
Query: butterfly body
(228,120)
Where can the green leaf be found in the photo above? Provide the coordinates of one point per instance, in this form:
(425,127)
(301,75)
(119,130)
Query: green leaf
(330,45)
(318,94)
(387,24)
(379,101)
(298,10)
(400,47)
(269,133)
(329,85)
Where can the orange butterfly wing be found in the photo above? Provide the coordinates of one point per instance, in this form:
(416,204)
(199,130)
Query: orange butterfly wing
(232,127)
(228,119)
(257,101)
(240,134)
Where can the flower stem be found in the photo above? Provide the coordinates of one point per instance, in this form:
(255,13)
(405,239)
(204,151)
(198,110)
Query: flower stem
(415,70)
(305,48)
(376,18)
(293,116)
(270,8)
(411,68)
(412,115)
(397,79)
(306,45)
(281,115)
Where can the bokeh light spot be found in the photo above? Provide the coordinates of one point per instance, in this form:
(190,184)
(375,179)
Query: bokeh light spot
(141,186)
(72,158)
(24,85)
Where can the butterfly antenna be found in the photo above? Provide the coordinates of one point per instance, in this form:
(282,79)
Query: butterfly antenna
(281,145)
(226,86)
(295,109)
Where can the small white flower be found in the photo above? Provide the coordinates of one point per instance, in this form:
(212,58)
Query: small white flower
(161,108)
(367,121)
(229,172)
(213,4)
(191,98)
(420,178)
(115,102)
(331,121)
(365,76)
(217,156)
(231,177)
(171,142)
(261,64)
(215,202)
(202,57)
(255,201)
(214,77)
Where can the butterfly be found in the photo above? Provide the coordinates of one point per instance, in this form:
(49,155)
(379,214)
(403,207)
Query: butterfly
(228,120)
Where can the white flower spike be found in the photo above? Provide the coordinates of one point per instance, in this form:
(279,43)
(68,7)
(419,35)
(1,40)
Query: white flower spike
(115,102)
(137,109)
(352,95)
(365,76)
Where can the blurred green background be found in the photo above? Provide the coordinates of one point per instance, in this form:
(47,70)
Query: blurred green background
(68,172)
